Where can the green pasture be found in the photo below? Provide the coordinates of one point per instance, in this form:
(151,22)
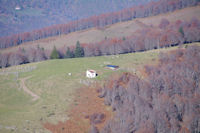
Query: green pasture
(51,82)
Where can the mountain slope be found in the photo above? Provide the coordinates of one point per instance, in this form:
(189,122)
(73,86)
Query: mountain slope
(121,30)
(35,14)
(56,89)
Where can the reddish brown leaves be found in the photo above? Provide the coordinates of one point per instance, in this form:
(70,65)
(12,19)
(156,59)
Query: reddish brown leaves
(165,101)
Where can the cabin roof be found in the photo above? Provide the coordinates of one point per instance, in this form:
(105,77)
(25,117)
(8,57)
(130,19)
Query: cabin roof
(92,71)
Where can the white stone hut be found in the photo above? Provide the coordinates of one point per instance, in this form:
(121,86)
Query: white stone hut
(91,74)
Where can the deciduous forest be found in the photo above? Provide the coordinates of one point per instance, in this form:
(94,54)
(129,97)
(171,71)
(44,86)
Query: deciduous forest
(166,100)
(36,14)
(150,9)
(166,35)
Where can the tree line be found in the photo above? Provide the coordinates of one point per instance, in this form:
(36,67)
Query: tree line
(75,53)
(35,14)
(166,35)
(166,101)
(153,8)
(23,56)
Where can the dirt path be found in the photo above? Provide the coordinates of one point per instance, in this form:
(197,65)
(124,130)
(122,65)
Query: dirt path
(22,84)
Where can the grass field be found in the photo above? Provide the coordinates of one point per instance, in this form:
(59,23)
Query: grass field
(121,29)
(51,82)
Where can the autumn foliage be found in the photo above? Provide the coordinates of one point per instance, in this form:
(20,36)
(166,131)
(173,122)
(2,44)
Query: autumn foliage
(150,9)
(166,35)
(167,100)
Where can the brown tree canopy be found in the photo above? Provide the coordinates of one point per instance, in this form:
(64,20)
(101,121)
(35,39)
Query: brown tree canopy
(167,100)
(148,38)
(150,9)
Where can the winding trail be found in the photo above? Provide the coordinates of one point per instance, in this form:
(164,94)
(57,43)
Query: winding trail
(22,84)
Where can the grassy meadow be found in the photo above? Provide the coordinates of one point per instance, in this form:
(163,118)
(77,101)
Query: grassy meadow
(55,88)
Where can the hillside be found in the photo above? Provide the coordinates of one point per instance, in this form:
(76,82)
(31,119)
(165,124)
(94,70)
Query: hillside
(166,100)
(99,21)
(121,30)
(43,73)
(35,14)
(57,91)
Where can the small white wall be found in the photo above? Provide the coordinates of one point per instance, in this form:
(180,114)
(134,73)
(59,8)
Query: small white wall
(90,75)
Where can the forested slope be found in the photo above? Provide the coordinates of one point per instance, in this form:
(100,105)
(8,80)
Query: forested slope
(166,100)
(150,9)
(150,37)
(35,14)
